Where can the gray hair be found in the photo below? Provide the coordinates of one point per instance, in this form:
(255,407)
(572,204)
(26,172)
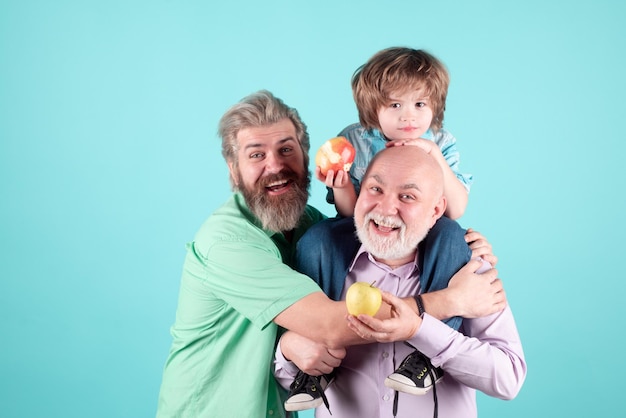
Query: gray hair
(256,110)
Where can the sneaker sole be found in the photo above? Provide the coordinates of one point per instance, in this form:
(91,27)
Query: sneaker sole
(301,406)
(413,390)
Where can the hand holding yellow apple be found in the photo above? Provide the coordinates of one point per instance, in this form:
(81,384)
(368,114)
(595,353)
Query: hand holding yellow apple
(363,298)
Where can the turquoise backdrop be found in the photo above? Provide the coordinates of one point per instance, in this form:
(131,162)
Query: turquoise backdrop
(109,162)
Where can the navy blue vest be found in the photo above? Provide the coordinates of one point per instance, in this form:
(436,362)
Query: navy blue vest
(327,249)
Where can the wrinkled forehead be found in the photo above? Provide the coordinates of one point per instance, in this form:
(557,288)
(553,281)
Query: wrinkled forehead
(266,135)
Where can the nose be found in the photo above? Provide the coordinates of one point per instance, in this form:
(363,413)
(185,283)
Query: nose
(407,114)
(387,205)
(274,162)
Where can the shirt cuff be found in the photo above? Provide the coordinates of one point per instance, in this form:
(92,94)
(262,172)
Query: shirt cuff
(287,365)
(432,338)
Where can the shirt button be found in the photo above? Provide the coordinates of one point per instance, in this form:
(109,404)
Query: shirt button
(385,354)
(386,398)
(270,412)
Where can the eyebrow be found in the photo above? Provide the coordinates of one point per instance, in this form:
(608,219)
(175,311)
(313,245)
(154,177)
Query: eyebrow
(405,186)
(259,145)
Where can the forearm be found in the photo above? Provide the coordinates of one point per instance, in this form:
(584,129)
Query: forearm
(322,320)
(440,304)
(345,200)
(488,358)
(455,193)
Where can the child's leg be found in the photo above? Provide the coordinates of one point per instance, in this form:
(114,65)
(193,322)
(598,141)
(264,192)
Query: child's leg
(325,252)
(441,254)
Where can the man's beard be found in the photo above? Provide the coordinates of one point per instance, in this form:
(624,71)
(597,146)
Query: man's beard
(389,248)
(278,213)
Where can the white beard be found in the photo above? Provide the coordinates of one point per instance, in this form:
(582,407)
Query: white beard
(389,248)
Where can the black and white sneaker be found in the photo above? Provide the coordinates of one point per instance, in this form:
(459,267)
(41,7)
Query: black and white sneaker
(416,375)
(307,392)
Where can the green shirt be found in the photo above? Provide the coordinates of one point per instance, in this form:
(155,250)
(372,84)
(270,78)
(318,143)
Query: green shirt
(234,283)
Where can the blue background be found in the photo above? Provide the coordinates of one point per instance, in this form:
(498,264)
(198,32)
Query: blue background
(109,162)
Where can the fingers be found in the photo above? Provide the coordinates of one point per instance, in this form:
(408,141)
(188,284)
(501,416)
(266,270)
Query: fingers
(330,178)
(319,370)
(333,178)
(319,175)
(425,144)
(321,362)
(393,300)
(473,265)
(337,353)
(394,143)
(475,238)
(472,235)
(360,328)
(341,179)
(402,324)
(490,258)
(480,246)
(503,301)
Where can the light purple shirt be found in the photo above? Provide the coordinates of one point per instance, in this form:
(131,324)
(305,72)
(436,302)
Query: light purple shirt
(486,355)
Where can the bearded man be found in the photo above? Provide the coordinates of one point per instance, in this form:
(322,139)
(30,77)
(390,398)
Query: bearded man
(238,287)
(401,199)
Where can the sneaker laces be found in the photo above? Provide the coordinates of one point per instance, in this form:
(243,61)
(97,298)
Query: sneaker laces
(304,381)
(412,363)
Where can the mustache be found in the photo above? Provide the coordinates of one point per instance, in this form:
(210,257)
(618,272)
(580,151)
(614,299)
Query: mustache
(284,175)
(386,221)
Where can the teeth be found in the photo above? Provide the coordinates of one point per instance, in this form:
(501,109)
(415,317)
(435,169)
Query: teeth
(384,225)
(276,183)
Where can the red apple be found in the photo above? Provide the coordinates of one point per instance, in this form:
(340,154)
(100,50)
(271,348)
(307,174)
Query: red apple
(335,154)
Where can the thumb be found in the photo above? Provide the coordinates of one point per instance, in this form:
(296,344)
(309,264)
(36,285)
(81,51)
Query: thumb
(395,302)
(473,265)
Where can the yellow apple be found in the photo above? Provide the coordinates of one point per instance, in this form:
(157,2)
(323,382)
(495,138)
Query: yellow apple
(363,298)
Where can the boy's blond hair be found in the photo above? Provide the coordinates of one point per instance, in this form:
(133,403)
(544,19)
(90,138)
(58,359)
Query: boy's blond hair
(399,69)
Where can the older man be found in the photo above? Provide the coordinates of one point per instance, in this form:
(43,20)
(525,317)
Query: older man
(237,286)
(400,200)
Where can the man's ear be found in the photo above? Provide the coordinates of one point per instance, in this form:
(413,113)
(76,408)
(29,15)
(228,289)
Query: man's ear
(232,169)
(439,209)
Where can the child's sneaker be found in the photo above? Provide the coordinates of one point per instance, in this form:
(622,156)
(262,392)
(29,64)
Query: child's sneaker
(307,392)
(415,375)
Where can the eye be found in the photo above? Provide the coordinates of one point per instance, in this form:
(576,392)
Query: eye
(394,105)
(420,104)
(256,155)
(286,150)
(407,197)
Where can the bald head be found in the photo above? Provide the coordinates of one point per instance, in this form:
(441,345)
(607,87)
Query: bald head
(412,163)
(401,198)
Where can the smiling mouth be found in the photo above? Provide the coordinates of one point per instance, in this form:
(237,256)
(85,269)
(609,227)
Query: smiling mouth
(385,228)
(277,185)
